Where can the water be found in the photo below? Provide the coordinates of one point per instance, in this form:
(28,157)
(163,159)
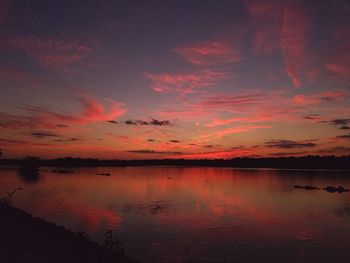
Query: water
(174,214)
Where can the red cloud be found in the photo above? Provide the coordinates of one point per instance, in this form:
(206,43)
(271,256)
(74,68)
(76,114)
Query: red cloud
(239,129)
(184,83)
(317,98)
(38,117)
(225,154)
(249,119)
(293,39)
(51,52)
(210,53)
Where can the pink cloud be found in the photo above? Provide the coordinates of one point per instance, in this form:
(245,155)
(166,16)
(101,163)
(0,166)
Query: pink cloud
(293,41)
(210,53)
(337,68)
(248,119)
(51,52)
(283,25)
(240,129)
(184,83)
(38,117)
(305,100)
(266,19)
(247,100)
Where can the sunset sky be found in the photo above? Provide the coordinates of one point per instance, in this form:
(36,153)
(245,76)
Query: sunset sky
(174,79)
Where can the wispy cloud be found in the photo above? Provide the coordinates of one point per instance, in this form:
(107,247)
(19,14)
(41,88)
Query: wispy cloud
(152,121)
(55,53)
(39,117)
(340,121)
(210,53)
(337,150)
(154,152)
(338,62)
(289,144)
(239,129)
(293,40)
(72,139)
(184,83)
(344,136)
(44,134)
(266,19)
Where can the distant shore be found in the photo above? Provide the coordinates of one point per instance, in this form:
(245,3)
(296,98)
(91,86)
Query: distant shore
(24,238)
(306,162)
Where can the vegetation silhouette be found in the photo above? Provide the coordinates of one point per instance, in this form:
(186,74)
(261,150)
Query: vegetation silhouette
(305,162)
(25,238)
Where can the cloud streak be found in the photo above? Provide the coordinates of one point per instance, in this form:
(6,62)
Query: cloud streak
(210,53)
(55,53)
(154,152)
(39,117)
(289,144)
(184,83)
(293,39)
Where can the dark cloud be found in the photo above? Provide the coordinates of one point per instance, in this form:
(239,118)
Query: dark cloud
(151,122)
(43,134)
(344,127)
(311,117)
(159,123)
(237,147)
(327,98)
(337,149)
(151,140)
(288,144)
(344,136)
(208,146)
(153,152)
(130,122)
(61,126)
(340,121)
(285,154)
(66,140)
(174,141)
(114,122)
(10,141)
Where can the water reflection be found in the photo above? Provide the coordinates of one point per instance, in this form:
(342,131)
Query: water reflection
(29,174)
(202,214)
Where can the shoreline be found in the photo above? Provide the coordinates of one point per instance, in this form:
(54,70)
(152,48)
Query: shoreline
(287,163)
(25,238)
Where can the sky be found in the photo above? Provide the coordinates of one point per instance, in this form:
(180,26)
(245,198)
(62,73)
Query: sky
(174,79)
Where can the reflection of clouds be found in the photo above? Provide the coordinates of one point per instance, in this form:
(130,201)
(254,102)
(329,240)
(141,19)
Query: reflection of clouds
(344,210)
(153,208)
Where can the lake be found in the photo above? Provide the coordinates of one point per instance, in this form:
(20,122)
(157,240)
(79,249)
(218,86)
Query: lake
(192,214)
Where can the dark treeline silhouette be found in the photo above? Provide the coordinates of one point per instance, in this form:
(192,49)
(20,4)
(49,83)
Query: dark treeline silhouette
(306,162)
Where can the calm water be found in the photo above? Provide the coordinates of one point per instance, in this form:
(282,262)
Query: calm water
(168,214)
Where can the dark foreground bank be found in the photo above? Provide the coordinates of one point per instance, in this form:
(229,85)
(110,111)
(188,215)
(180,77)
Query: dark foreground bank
(24,238)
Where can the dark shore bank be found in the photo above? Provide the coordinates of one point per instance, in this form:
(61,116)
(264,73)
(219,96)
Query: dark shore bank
(24,238)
